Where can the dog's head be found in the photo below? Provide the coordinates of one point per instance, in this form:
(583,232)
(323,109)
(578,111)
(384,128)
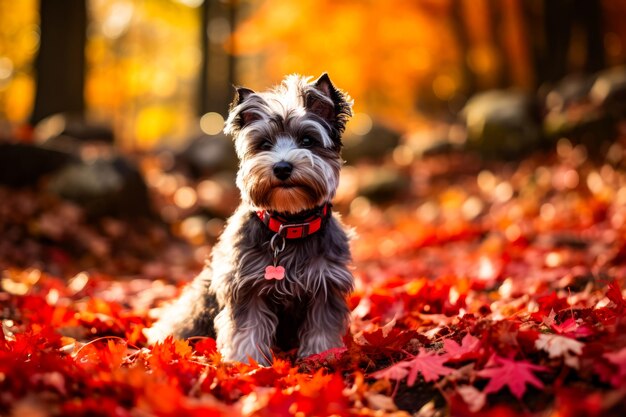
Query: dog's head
(289,141)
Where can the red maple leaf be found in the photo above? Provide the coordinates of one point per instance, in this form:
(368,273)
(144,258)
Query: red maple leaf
(328,355)
(618,359)
(468,348)
(316,395)
(397,371)
(173,359)
(389,339)
(206,346)
(101,355)
(428,364)
(614,294)
(571,327)
(4,345)
(514,374)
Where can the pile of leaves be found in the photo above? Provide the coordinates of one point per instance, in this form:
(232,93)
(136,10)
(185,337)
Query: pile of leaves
(491,290)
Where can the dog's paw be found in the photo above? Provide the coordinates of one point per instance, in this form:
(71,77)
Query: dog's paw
(263,357)
(309,349)
(261,360)
(156,334)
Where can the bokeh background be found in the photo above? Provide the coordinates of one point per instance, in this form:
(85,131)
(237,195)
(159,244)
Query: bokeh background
(113,109)
(150,69)
(484,176)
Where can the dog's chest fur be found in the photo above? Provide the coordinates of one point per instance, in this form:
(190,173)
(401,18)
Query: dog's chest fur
(312,264)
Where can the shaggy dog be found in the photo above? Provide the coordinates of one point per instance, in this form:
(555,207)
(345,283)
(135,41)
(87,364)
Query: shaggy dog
(279,275)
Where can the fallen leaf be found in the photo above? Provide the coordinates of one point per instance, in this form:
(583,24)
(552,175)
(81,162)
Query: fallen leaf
(425,363)
(614,294)
(469,345)
(474,398)
(560,346)
(618,359)
(513,374)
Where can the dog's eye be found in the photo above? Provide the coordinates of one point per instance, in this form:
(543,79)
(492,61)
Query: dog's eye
(266,145)
(307,142)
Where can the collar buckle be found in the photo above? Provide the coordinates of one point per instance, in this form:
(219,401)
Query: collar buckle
(294,230)
(287,230)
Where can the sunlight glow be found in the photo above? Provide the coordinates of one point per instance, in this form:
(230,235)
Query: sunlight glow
(210,192)
(486,269)
(212,123)
(360,124)
(486,181)
(191,3)
(472,207)
(594,182)
(503,192)
(553,259)
(185,197)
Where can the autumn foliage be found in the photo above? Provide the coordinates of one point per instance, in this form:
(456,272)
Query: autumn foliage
(491,289)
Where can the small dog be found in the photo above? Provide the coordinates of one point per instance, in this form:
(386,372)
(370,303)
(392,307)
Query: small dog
(279,275)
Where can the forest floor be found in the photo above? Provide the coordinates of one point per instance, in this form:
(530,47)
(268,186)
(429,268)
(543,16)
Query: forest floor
(490,289)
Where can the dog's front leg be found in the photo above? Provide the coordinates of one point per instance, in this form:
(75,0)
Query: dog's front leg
(325,323)
(246,330)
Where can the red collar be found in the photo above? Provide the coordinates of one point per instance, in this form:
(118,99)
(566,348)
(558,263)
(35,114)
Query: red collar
(302,227)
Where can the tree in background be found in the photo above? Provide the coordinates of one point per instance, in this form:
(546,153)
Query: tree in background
(398,58)
(151,67)
(60,64)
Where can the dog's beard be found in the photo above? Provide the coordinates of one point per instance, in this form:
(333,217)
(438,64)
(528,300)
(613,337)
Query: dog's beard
(313,180)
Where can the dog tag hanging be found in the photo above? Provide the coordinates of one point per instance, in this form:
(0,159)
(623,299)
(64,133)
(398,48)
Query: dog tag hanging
(275,271)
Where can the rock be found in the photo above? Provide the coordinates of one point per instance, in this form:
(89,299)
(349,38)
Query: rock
(609,91)
(383,184)
(441,148)
(570,90)
(374,145)
(575,111)
(111,186)
(440,138)
(580,123)
(74,126)
(24,165)
(209,154)
(501,123)
(72,133)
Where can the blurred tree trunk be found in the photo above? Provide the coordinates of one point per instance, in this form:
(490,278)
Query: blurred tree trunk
(232,59)
(517,44)
(590,12)
(533,21)
(498,34)
(218,65)
(557,28)
(203,104)
(460,32)
(563,19)
(60,64)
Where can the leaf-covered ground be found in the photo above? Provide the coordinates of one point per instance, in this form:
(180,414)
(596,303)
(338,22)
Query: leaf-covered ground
(491,289)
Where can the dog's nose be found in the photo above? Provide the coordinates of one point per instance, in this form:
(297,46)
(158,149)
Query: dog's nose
(282,170)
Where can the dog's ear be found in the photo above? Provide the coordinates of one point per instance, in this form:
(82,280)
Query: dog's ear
(241,94)
(329,103)
(240,115)
(320,101)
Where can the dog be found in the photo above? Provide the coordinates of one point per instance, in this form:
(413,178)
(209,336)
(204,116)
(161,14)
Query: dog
(280,274)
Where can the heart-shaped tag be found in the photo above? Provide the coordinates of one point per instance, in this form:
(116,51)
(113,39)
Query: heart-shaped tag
(274,272)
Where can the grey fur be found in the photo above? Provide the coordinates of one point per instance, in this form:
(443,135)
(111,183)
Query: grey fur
(231,300)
